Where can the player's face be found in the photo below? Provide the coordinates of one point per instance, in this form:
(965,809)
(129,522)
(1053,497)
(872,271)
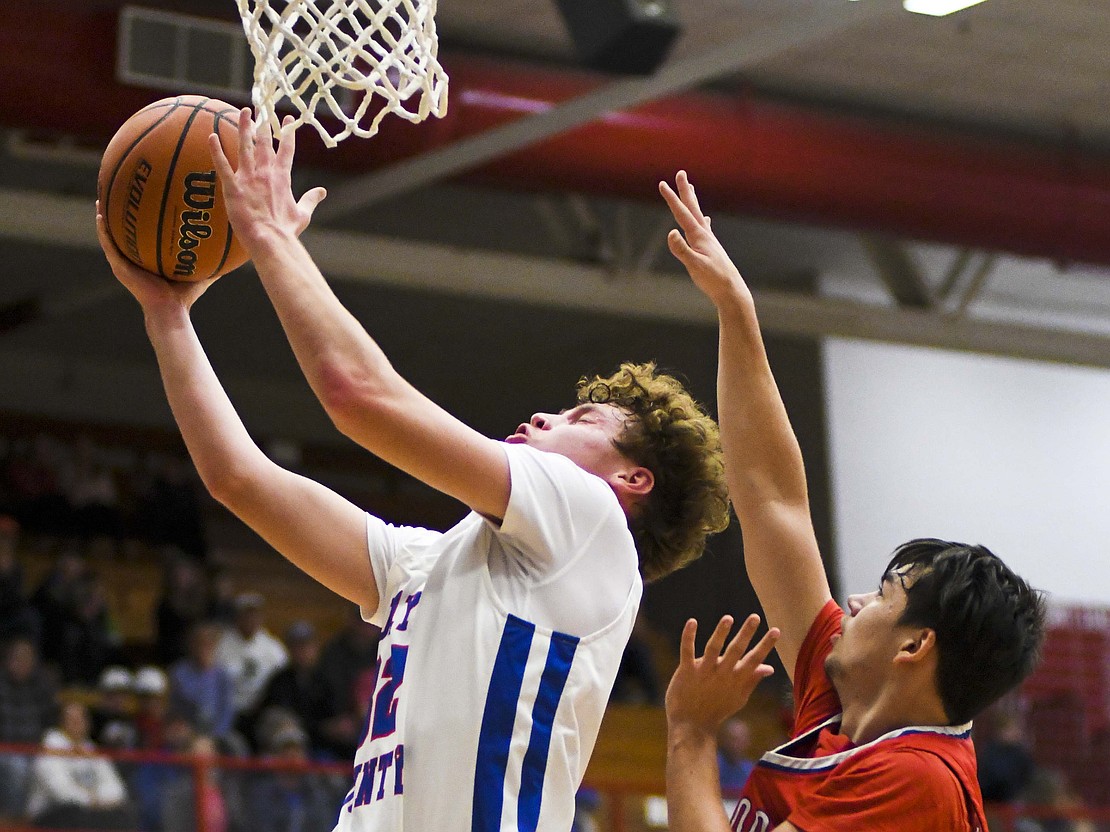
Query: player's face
(870,636)
(584,434)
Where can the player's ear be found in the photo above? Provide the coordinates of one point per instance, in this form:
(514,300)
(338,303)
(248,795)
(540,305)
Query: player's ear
(636,481)
(918,645)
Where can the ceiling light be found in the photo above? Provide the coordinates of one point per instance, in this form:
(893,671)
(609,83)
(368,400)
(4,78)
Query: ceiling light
(937,8)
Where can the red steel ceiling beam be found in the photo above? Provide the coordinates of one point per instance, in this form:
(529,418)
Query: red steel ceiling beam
(747,154)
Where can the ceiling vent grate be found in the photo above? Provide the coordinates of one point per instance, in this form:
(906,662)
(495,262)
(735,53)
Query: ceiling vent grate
(183,54)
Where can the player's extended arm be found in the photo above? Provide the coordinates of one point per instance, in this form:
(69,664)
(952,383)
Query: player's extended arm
(763,463)
(312,526)
(360,390)
(703,693)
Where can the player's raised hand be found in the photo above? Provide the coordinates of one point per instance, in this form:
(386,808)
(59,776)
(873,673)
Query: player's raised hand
(150,290)
(706,691)
(697,247)
(259,191)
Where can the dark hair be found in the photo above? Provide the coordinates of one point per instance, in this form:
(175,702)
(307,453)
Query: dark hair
(674,438)
(989,622)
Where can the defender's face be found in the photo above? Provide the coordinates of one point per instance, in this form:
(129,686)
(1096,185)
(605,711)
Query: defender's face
(584,434)
(870,634)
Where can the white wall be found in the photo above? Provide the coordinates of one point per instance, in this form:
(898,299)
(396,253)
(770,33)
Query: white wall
(1011,454)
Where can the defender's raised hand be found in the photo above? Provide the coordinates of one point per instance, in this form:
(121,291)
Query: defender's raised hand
(706,691)
(259,191)
(697,247)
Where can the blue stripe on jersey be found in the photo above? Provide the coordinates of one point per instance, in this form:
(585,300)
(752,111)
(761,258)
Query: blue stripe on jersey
(555,672)
(497,724)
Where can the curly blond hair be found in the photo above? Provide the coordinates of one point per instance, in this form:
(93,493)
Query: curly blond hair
(672,436)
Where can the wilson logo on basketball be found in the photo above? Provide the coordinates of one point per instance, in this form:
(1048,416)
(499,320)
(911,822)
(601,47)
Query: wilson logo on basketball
(200,195)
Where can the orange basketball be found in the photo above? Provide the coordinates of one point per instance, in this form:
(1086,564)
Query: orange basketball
(159,193)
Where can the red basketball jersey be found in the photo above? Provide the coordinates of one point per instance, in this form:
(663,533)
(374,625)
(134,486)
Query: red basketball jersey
(915,779)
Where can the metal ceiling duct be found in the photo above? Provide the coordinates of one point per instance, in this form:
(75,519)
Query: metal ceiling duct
(747,154)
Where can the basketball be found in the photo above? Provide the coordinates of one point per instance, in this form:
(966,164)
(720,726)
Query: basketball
(159,193)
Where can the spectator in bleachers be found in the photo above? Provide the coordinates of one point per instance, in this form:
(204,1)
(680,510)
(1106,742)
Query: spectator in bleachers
(250,654)
(1005,761)
(299,687)
(17,616)
(201,689)
(637,680)
(168,508)
(150,779)
(89,640)
(28,706)
(221,596)
(184,602)
(55,599)
(112,723)
(347,669)
(1049,789)
(77,792)
(178,805)
(733,749)
(34,474)
(290,801)
(94,498)
(151,706)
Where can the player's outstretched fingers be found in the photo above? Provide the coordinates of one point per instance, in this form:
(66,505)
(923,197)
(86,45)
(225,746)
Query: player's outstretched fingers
(287,142)
(752,661)
(686,655)
(219,159)
(246,140)
(682,214)
(689,196)
(739,644)
(717,638)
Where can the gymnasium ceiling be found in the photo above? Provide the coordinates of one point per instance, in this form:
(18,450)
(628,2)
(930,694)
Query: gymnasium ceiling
(497,290)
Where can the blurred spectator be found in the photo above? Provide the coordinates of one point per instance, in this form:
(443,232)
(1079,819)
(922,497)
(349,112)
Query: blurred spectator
(179,801)
(637,680)
(112,723)
(168,508)
(587,803)
(200,689)
(55,598)
(1049,789)
(221,597)
(17,616)
(184,602)
(150,780)
(28,706)
(292,800)
(77,792)
(733,747)
(89,640)
(298,687)
(347,670)
(1005,762)
(34,474)
(250,654)
(94,498)
(151,706)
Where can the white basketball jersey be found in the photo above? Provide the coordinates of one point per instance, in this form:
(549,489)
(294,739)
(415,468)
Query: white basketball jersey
(483,719)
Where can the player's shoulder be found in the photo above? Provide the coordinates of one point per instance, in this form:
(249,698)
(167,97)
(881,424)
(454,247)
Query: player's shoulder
(925,761)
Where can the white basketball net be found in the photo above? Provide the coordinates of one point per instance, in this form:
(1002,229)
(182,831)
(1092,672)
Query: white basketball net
(353,60)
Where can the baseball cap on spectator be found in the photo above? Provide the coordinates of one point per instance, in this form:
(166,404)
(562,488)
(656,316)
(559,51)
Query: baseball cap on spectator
(150,681)
(300,631)
(116,679)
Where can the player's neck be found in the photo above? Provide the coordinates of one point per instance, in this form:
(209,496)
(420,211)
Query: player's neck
(891,710)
